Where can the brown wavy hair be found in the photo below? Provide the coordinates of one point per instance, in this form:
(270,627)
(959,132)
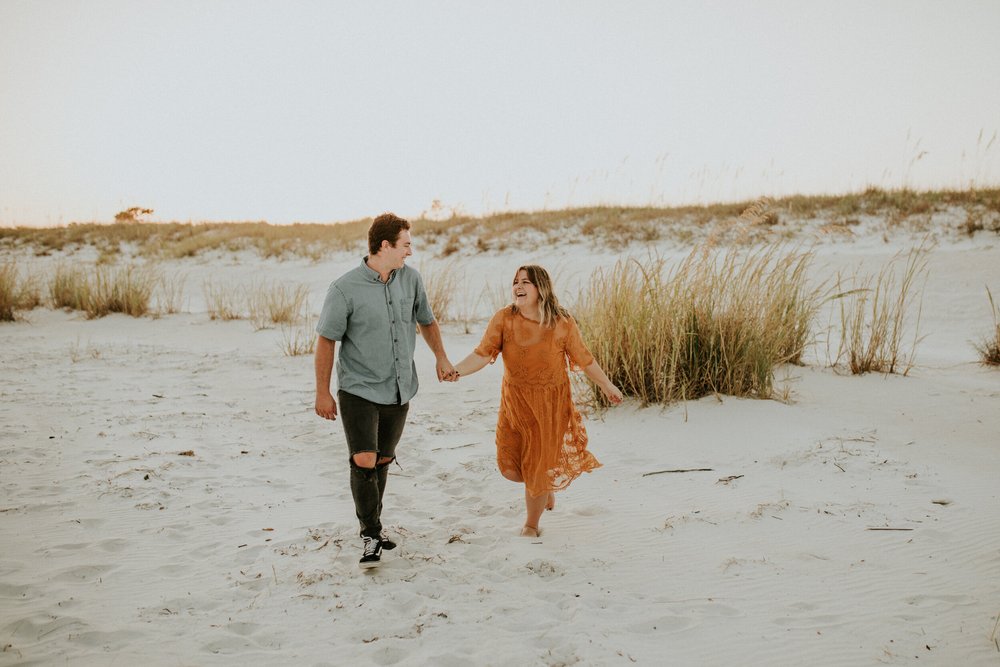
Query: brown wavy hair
(548,304)
(386,227)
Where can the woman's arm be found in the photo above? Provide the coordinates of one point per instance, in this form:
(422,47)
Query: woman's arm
(600,378)
(471,364)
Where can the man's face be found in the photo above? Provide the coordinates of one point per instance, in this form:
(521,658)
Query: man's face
(397,255)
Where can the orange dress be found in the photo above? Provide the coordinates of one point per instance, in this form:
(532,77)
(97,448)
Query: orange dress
(539,431)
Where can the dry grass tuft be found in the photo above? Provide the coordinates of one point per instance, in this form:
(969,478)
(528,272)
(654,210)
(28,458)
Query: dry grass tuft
(716,323)
(989,348)
(441,286)
(224,301)
(274,304)
(125,289)
(18,292)
(170,293)
(874,315)
(69,287)
(299,337)
(101,290)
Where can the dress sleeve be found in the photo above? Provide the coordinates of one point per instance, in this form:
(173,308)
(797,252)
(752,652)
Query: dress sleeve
(492,343)
(579,356)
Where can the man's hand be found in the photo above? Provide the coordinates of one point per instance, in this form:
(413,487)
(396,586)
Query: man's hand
(446,372)
(326,406)
(432,336)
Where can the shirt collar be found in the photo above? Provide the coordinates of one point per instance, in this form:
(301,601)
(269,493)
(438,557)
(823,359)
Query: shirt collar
(374,275)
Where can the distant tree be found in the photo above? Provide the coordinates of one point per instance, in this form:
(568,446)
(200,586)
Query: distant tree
(132,214)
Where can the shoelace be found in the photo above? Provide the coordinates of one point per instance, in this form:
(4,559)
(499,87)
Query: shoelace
(371,546)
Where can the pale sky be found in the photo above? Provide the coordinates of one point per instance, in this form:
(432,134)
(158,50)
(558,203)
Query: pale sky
(329,111)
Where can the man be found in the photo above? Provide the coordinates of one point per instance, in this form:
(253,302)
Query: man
(372,311)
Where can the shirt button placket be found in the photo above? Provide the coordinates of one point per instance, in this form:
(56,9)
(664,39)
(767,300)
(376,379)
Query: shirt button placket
(392,325)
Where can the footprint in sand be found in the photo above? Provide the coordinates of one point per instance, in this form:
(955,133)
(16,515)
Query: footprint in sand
(544,569)
(661,624)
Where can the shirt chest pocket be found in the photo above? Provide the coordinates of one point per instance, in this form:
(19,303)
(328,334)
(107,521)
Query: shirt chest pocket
(406,306)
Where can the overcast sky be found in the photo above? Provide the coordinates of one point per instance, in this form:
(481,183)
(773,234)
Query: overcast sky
(329,111)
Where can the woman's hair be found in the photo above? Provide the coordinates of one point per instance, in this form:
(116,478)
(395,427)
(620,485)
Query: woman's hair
(548,304)
(386,227)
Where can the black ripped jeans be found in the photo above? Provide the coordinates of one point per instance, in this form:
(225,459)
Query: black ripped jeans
(370,427)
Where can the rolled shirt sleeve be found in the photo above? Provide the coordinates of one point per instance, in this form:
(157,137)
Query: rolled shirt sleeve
(422,305)
(333,318)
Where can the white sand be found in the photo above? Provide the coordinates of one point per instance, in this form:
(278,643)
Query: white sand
(118,550)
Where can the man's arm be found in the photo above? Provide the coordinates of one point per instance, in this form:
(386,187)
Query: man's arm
(432,335)
(326,406)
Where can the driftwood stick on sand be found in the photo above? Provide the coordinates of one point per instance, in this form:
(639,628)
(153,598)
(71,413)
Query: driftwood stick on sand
(879,528)
(660,472)
(438,449)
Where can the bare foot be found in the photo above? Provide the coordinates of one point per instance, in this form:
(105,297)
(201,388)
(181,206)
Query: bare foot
(528,531)
(550,503)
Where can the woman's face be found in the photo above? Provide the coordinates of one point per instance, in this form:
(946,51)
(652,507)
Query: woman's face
(524,291)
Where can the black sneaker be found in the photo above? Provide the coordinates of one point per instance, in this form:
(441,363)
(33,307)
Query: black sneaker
(372,555)
(387,544)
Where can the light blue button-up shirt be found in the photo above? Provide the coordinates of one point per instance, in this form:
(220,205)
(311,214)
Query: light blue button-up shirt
(375,325)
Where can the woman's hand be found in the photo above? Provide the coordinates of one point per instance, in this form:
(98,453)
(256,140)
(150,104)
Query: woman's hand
(612,393)
(600,378)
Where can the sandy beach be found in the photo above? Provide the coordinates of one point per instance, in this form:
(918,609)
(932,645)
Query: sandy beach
(168,497)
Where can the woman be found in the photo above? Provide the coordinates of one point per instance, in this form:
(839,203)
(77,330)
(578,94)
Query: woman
(540,437)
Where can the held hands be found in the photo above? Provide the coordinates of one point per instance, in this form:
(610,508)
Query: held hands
(446,372)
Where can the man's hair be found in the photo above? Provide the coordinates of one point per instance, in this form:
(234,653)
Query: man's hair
(386,227)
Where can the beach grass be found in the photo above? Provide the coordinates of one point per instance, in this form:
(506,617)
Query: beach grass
(19,291)
(274,303)
(69,287)
(989,347)
(442,285)
(169,293)
(224,301)
(121,289)
(298,337)
(875,313)
(99,290)
(719,322)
